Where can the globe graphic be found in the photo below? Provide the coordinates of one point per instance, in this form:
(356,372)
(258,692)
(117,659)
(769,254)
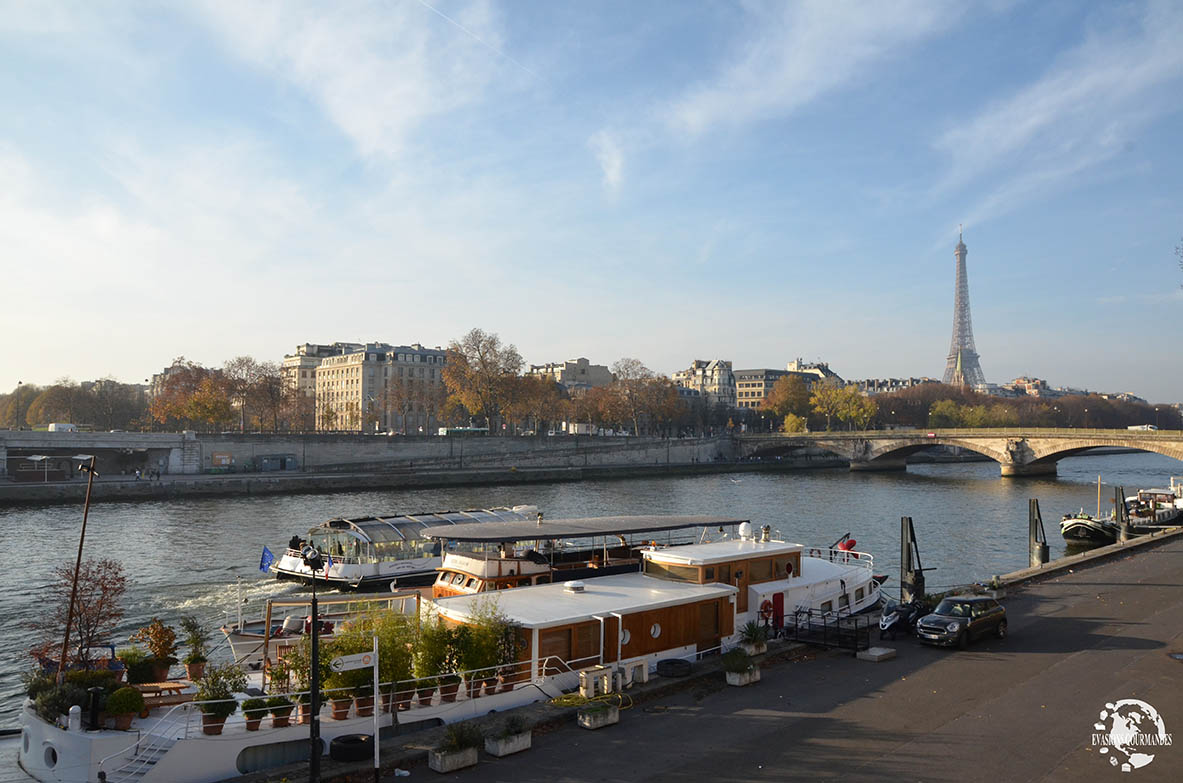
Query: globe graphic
(1127,723)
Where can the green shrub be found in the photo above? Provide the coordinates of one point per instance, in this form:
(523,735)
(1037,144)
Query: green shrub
(253,709)
(738,662)
(140,665)
(125,700)
(36,683)
(93,678)
(217,688)
(753,633)
(56,701)
(195,638)
(513,725)
(461,736)
(279,705)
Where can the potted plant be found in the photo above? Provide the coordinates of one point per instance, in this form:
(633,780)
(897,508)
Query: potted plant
(161,642)
(138,664)
(196,638)
(514,737)
(254,710)
(281,711)
(429,658)
(304,715)
(458,749)
(740,669)
(598,714)
(363,697)
(215,695)
(753,638)
(122,706)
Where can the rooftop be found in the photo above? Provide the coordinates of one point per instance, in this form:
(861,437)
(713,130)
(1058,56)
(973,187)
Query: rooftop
(586,527)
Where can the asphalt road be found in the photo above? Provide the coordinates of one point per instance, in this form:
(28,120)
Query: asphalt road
(1019,709)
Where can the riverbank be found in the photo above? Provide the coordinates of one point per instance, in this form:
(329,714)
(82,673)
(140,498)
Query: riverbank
(121,488)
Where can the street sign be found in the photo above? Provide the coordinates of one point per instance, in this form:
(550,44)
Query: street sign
(357,661)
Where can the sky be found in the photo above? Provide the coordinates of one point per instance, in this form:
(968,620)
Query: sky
(752,181)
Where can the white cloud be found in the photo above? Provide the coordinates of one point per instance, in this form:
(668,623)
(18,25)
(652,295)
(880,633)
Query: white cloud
(799,50)
(1082,112)
(610,157)
(376,69)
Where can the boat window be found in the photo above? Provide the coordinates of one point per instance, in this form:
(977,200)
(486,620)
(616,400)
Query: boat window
(708,574)
(782,567)
(672,573)
(827,606)
(655,630)
(443,577)
(759,570)
(843,600)
(458,579)
(471,581)
(858,594)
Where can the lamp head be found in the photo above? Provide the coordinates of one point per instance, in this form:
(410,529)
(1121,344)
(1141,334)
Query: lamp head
(312,558)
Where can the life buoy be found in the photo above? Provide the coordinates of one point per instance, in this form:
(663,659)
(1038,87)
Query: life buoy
(815,552)
(766,610)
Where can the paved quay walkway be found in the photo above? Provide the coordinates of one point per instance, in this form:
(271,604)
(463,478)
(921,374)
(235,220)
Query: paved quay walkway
(1019,709)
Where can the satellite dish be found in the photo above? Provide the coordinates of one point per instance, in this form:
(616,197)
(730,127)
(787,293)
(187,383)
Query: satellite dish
(745,529)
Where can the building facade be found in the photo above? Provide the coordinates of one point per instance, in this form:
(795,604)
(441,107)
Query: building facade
(713,379)
(574,374)
(299,369)
(819,370)
(873,386)
(380,387)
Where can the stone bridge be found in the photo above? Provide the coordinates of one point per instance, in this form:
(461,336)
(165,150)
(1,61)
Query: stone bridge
(1020,451)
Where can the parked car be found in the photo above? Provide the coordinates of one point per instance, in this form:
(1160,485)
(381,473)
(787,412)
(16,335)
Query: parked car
(959,619)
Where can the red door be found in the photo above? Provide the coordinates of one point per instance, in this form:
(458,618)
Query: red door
(778,610)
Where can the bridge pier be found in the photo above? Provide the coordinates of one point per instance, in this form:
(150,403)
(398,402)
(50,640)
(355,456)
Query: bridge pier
(1033,469)
(881,464)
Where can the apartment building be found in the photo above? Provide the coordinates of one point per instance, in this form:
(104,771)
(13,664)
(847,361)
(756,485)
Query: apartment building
(380,387)
(574,374)
(713,379)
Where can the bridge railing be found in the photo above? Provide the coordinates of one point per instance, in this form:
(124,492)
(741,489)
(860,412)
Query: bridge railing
(965,432)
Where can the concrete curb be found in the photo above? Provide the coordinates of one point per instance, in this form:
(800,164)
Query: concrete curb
(1091,557)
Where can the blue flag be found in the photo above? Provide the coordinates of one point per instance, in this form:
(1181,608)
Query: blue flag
(266,560)
(328,564)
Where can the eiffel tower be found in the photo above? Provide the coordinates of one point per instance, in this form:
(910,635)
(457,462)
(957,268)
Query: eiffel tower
(962,368)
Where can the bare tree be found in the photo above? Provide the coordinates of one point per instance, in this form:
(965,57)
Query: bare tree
(97,608)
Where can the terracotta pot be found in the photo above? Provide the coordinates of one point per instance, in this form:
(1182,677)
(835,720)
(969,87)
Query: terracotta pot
(305,715)
(425,696)
(365,706)
(160,671)
(212,724)
(490,685)
(123,722)
(194,671)
(402,699)
(281,721)
(505,684)
(340,708)
(252,724)
(448,691)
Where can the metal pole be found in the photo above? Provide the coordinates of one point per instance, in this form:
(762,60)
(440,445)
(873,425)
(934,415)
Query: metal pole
(77,567)
(314,706)
(378,709)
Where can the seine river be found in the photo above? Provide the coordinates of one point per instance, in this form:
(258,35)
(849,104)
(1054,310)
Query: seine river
(185,556)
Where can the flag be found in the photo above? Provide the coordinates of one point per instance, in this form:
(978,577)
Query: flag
(266,560)
(328,563)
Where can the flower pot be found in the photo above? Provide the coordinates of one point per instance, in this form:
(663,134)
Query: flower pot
(402,699)
(505,684)
(365,706)
(340,708)
(599,716)
(212,724)
(305,714)
(504,746)
(252,724)
(281,721)
(123,721)
(754,648)
(193,671)
(740,679)
(450,761)
(448,690)
(425,696)
(490,685)
(160,671)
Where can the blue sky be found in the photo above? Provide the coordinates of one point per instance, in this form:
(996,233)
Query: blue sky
(668,181)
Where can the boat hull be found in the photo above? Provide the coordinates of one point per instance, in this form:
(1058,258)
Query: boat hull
(1088,530)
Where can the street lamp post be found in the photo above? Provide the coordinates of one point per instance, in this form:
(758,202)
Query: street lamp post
(77,564)
(312,559)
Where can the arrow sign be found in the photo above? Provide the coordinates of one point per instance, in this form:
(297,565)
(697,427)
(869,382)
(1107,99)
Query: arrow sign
(358,661)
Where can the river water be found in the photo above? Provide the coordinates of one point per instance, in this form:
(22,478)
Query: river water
(185,556)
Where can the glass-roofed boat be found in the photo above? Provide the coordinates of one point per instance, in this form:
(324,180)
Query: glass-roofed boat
(376,551)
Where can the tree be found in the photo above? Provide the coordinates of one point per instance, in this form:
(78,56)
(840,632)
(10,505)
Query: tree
(828,399)
(192,395)
(97,609)
(788,395)
(16,404)
(629,386)
(794,423)
(479,371)
(241,374)
(268,394)
(64,401)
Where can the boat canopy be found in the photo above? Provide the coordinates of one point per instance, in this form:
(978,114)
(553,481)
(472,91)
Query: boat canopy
(407,528)
(506,531)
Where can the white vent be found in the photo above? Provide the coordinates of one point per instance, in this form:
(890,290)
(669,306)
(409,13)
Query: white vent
(574,586)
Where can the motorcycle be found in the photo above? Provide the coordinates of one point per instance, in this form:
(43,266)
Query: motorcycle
(900,617)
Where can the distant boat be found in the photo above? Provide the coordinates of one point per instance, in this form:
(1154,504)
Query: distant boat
(1085,527)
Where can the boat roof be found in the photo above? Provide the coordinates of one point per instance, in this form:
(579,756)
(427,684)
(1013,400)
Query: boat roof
(720,551)
(411,527)
(550,605)
(573,528)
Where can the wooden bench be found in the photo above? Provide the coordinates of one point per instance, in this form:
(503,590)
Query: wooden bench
(163,694)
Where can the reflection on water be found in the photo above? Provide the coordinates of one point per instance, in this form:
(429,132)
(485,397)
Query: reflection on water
(184,556)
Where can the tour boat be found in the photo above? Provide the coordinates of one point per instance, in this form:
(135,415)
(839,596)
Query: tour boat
(1153,508)
(373,552)
(686,601)
(499,555)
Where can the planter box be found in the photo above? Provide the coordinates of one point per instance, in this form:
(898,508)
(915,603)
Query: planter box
(758,648)
(599,718)
(452,760)
(743,678)
(504,746)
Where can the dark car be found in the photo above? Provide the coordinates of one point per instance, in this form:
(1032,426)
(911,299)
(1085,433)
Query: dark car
(959,619)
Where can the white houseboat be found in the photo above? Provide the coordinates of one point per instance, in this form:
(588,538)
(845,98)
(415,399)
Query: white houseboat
(686,601)
(371,552)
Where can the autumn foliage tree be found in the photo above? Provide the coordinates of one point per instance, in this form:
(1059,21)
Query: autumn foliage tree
(97,609)
(481,373)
